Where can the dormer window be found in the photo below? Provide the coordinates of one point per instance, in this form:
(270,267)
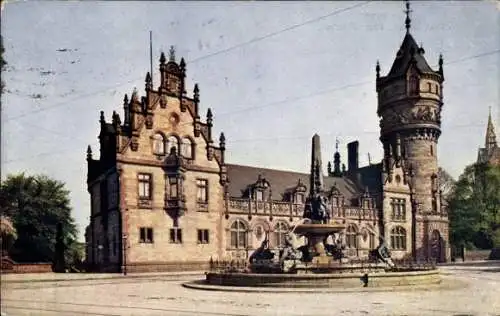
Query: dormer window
(299,198)
(158,144)
(259,195)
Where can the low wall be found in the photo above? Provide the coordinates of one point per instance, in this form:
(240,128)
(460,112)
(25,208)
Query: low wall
(347,280)
(173,266)
(475,255)
(28,268)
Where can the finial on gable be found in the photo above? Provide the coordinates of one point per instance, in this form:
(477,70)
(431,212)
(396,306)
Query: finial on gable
(171,54)
(408,19)
(89,152)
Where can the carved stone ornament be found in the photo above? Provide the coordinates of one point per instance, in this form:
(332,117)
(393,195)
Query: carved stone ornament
(163,102)
(134,144)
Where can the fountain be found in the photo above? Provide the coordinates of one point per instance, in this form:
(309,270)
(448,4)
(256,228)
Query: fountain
(314,263)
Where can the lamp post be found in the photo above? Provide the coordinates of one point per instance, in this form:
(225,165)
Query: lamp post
(99,248)
(124,251)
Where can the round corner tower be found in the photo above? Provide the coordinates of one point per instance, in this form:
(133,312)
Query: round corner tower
(410,101)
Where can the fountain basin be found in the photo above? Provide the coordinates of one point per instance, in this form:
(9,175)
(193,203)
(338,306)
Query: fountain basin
(318,229)
(325,280)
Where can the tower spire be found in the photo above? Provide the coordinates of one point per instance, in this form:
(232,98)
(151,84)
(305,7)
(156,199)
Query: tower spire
(491,140)
(408,19)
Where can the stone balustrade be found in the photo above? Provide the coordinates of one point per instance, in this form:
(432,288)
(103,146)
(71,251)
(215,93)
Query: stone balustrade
(289,209)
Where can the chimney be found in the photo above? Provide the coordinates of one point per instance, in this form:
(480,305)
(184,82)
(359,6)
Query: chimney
(352,156)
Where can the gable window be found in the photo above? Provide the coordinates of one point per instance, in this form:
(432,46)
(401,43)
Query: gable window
(158,144)
(187,148)
(203,236)
(172,142)
(398,238)
(176,235)
(146,235)
(202,190)
(238,234)
(351,237)
(144,180)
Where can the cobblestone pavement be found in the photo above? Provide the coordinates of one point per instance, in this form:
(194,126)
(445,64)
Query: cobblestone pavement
(470,290)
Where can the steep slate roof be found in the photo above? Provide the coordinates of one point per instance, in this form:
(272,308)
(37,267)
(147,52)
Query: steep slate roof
(240,177)
(408,48)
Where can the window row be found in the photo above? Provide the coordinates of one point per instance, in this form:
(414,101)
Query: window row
(146,235)
(145,181)
(239,232)
(162,146)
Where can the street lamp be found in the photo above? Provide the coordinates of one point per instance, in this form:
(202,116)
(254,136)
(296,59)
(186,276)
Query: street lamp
(124,242)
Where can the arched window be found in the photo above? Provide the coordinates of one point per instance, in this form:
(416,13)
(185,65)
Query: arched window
(398,238)
(238,234)
(158,144)
(187,148)
(172,142)
(280,231)
(351,237)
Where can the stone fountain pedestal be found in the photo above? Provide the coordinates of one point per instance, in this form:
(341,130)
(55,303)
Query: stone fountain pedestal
(316,234)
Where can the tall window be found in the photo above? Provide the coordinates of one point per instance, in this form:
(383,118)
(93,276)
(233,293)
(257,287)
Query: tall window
(238,234)
(172,142)
(187,148)
(202,190)
(158,144)
(398,209)
(146,235)
(172,185)
(351,237)
(203,236)
(280,232)
(398,238)
(175,235)
(144,180)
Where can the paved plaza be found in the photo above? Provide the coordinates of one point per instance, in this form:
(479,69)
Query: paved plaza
(468,289)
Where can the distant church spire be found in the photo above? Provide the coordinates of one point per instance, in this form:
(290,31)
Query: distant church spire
(491,141)
(408,19)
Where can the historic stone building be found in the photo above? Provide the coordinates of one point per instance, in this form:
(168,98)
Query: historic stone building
(491,152)
(164,197)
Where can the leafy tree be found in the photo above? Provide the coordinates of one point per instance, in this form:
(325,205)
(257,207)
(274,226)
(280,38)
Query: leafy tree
(446,182)
(475,206)
(36,205)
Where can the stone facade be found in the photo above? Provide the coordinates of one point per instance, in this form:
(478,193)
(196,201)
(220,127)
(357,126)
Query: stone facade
(164,198)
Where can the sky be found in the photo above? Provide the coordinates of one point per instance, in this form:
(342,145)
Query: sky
(274,73)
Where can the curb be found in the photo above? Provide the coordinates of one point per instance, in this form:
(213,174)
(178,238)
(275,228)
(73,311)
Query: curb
(118,276)
(443,285)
